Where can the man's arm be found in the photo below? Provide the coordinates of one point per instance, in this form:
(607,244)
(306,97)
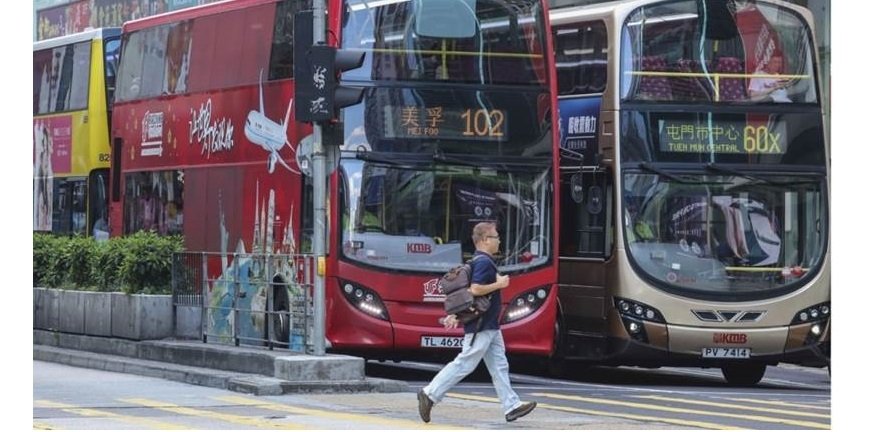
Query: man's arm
(501,281)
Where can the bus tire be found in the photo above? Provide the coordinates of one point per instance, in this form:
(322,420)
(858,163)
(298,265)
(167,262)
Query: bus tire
(280,321)
(743,374)
(556,365)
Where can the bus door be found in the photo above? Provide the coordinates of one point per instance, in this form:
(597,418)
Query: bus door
(585,243)
(585,234)
(69,212)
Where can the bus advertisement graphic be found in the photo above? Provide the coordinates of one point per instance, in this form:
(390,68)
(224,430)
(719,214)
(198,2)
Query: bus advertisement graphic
(578,123)
(52,143)
(687,223)
(478,203)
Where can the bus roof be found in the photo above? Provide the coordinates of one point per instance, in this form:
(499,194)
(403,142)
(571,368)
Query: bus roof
(191,12)
(90,34)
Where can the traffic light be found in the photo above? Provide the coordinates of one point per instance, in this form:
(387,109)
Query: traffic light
(345,96)
(319,93)
(327,63)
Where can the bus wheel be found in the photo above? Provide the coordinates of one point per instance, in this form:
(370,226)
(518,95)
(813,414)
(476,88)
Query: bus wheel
(743,374)
(281,321)
(556,365)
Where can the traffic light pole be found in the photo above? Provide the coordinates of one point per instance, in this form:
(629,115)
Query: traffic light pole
(320,187)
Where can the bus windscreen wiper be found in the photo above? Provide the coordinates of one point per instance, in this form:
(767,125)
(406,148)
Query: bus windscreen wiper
(393,159)
(676,178)
(712,166)
(506,163)
(443,158)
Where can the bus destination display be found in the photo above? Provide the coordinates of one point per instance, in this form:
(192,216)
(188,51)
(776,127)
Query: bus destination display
(438,122)
(722,137)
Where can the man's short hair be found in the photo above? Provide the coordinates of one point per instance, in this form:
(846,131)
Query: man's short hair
(481,230)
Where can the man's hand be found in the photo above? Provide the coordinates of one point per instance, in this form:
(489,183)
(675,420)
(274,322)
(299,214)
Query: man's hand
(502,280)
(450,322)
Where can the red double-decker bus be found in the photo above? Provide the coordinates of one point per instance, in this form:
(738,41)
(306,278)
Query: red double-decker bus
(455,127)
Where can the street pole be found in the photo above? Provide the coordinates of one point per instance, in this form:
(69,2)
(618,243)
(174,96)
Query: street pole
(320,185)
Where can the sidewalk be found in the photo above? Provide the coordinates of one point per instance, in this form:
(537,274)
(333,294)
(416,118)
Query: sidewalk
(253,370)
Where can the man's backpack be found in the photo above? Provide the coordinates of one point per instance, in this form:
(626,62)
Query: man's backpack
(459,301)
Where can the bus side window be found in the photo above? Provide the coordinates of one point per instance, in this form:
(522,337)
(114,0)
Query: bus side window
(281,59)
(581,57)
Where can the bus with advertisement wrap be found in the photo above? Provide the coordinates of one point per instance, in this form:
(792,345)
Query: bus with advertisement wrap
(454,127)
(73,82)
(695,186)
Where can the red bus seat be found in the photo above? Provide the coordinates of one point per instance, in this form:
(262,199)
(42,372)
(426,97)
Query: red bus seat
(653,87)
(730,89)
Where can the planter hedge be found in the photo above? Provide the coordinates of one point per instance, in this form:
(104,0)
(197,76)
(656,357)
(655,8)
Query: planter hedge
(139,263)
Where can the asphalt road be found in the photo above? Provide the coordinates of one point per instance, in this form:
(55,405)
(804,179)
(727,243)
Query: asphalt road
(789,397)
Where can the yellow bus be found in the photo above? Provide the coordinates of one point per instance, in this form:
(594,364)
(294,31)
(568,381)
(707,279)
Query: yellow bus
(73,85)
(694,225)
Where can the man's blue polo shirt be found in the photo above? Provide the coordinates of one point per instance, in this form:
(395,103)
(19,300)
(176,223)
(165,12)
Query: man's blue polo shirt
(484,272)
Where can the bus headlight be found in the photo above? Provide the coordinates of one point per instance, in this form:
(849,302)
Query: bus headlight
(638,310)
(815,333)
(817,312)
(364,299)
(525,304)
(633,314)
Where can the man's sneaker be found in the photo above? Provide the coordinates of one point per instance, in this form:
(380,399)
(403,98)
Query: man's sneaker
(425,405)
(520,411)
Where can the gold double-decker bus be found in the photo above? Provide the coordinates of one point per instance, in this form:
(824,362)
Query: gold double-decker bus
(694,217)
(73,86)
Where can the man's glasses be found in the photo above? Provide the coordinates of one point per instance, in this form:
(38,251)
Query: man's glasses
(494,237)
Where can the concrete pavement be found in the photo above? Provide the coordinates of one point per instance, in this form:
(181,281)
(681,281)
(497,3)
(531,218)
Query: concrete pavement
(254,370)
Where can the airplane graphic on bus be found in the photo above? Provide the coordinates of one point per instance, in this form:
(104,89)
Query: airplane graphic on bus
(267,133)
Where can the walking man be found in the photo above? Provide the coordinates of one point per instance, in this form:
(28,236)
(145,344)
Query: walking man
(488,344)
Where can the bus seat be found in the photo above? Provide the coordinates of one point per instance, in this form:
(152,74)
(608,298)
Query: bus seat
(730,89)
(690,88)
(653,87)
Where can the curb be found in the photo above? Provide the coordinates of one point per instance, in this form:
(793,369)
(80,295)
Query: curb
(104,357)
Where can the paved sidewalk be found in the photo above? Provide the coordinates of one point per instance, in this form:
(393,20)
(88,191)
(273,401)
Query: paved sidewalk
(258,371)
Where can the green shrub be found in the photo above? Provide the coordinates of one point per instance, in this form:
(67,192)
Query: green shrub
(147,265)
(43,250)
(57,265)
(79,254)
(140,263)
(106,265)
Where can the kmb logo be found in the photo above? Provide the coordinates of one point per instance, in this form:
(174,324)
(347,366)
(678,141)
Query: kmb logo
(729,338)
(419,248)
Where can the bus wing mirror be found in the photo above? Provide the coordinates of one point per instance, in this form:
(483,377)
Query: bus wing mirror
(721,25)
(445,19)
(595,200)
(576,188)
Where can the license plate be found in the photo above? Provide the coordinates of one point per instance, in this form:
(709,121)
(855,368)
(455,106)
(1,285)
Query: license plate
(726,352)
(441,342)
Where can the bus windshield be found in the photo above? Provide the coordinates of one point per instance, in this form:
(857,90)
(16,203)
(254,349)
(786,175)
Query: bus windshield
(420,217)
(505,44)
(725,235)
(741,51)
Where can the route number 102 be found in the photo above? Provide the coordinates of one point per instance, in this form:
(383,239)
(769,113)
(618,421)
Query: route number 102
(483,123)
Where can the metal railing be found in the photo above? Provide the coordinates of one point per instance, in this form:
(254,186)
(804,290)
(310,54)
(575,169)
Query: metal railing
(253,298)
